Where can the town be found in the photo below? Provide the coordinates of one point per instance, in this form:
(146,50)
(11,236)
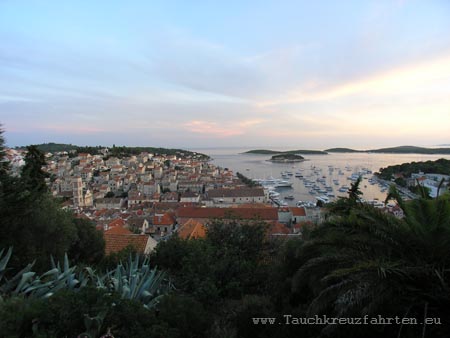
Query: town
(142,199)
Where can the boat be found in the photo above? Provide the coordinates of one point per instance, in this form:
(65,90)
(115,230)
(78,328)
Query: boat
(273,194)
(289,197)
(283,184)
(323,199)
(298,174)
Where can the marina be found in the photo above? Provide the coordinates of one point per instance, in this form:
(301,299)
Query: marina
(319,177)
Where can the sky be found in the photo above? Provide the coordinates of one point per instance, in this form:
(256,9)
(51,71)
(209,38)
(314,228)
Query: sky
(198,74)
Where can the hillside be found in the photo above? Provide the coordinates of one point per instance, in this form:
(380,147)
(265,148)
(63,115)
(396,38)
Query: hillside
(116,151)
(441,166)
(54,147)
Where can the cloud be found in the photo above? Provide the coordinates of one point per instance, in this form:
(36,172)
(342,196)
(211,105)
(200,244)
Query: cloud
(212,128)
(400,79)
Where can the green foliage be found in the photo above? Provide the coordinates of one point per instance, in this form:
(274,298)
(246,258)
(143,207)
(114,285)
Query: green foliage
(95,311)
(89,247)
(412,150)
(136,280)
(343,206)
(441,166)
(272,152)
(227,264)
(110,261)
(400,181)
(32,174)
(4,165)
(342,150)
(369,262)
(31,223)
(247,181)
(286,157)
(109,194)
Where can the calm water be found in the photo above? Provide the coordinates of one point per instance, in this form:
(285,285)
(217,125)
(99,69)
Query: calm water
(257,166)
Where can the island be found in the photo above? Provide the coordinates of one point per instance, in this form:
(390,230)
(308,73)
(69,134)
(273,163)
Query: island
(294,152)
(395,150)
(412,150)
(286,158)
(343,150)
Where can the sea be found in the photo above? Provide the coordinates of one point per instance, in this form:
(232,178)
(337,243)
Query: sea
(334,170)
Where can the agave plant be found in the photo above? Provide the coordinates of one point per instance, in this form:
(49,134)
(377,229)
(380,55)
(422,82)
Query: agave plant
(136,280)
(133,280)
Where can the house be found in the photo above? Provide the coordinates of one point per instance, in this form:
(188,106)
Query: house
(190,185)
(170,197)
(109,203)
(163,224)
(189,197)
(298,215)
(237,196)
(138,223)
(206,215)
(192,229)
(120,238)
(135,197)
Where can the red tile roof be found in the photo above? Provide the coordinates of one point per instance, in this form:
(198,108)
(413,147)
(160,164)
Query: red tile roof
(192,229)
(116,222)
(118,230)
(118,242)
(278,228)
(242,213)
(164,219)
(298,211)
(243,192)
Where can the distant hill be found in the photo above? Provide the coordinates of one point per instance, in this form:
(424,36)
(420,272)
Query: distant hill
(54,147)
(343,150)
(411,150)
(394,150)
(273,152)
(115,151)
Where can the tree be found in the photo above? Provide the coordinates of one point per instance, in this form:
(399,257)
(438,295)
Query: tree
(37,228)
(4,165)
(227,264)
(343,206)
(32,174)
(89,247)
(109,194)
(369,262)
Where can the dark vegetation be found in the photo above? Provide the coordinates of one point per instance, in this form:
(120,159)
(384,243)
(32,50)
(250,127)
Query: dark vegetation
(412,150)
(343,150)
(441,166)
(395,150)
(274,152)
(359,262)
(247,181)
(286,158)
(114,150)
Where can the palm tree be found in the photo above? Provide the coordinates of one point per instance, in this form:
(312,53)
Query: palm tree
(369,262)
